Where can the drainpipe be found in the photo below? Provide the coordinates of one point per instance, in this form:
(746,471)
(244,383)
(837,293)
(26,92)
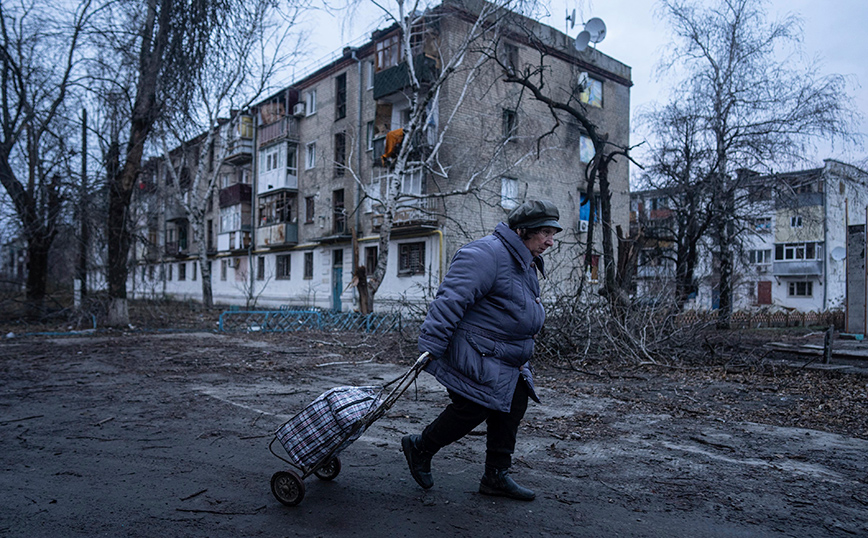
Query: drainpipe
(360,143)
(254,169)
(825,243)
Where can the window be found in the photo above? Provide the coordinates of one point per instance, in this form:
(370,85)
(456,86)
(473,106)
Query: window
(370,259)
(373,194)
(230,219)
(369,135)
(292,160)
(260,268)
(411,259)
(151,272)
(224,267)
(225,181)
(282,269)
(760,257)
(592,94)
(798,251)
(795,221)
(308,209)
(341,96)
(310,156)
(586,149)
(310,102)
(195,270)
(275,208)
(339,215)
(340,154)
(508,193)
(308,265)
(509,123)
(182,271)
(371,68)
(169,273)
(801,289)
(762,224)
(388,52)
(411,182)
(510,57)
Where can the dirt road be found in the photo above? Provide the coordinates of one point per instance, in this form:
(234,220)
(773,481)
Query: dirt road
(167,434)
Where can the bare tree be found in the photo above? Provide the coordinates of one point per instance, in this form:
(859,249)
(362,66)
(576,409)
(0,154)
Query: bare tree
(249,46)
(160,50)
(458,63)
(570,103)
(757,111)
(678,172)
(36,84)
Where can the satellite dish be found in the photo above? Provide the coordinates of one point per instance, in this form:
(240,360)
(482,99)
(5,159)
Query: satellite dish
(582,40)
(597,28)
(572,19)
(839,253)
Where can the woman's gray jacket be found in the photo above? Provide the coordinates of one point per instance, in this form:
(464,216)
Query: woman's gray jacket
(481,324)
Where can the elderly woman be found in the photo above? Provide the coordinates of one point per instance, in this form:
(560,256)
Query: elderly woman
(480,329)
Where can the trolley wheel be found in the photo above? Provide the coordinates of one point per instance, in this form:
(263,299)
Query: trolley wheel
(287,487)
(330,470)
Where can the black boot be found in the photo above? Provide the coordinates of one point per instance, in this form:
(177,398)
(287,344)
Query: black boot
(498,482)
(418,460)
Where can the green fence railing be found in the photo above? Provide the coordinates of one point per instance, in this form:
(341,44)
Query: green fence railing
(284,320)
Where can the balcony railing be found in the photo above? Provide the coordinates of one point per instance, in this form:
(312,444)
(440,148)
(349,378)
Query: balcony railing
(284,233)
(176,248)
(286,127)
(410,212)
(235,194)
(394,79)
(798,268)
(240,151)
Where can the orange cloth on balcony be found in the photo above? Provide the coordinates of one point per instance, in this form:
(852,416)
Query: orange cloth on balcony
(393,143)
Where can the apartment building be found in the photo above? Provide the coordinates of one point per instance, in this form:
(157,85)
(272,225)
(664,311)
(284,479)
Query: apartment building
(794,249)
(306,170)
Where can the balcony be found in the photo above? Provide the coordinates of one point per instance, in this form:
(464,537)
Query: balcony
(177,249)
(659,214)
(234,240)
(239,151)
(395,79)
(276,235)
(802,199)
(419,151)
(235,194)
(798,268)
(654,272)
(286,127)
(410,215)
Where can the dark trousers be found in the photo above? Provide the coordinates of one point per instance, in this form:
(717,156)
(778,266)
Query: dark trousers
(462,415)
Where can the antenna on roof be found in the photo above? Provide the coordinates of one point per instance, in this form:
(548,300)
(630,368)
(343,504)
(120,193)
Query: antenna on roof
(597,28)
(594,32)
(571,20)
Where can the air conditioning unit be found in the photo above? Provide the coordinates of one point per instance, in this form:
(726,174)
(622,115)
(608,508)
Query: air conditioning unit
(298,110)
(583,226)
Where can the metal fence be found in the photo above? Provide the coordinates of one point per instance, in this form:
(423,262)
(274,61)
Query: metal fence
(286,320)
(756,320)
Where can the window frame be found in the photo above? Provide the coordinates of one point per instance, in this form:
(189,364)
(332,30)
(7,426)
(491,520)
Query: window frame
(341,96)
(310,155)
(308,266)
(283,267)
(407,266)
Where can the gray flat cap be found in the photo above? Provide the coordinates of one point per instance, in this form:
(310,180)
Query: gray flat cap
(534,214)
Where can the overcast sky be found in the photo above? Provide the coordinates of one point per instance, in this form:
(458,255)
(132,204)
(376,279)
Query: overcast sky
(833,31)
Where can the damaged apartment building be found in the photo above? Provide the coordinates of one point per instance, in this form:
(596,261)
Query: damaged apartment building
(305,187)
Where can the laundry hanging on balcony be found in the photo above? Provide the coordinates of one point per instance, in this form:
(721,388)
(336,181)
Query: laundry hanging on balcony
(393,144)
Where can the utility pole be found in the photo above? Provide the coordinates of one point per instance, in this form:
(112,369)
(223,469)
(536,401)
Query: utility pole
(84,239)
